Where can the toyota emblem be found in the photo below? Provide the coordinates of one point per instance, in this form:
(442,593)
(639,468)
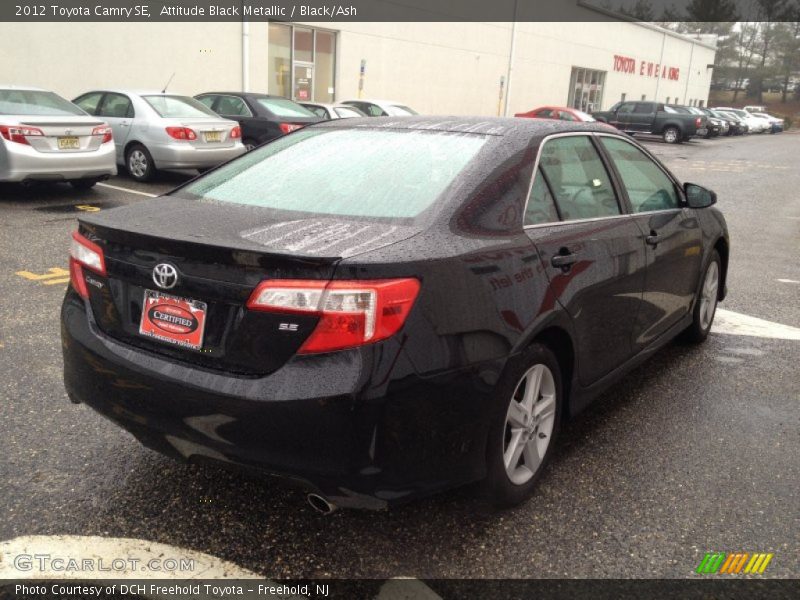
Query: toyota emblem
(165,276)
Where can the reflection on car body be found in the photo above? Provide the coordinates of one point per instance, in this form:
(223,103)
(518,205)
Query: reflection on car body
(434,340)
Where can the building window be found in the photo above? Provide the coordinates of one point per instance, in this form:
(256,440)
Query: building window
(622,98)
(677,100)
(644,97)
(700,103)
(667,100)
(302,63)
(586,89)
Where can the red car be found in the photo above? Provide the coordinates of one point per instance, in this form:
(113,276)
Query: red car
(561,113)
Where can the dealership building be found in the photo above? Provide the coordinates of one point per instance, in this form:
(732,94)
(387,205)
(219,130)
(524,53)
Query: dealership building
(457,68)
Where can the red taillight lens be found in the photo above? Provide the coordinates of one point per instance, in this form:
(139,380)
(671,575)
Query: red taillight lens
(83,253)
(181,133)
(698,121)
(352,313)
(19,133)
(105,131)
(236,133)
(289,127)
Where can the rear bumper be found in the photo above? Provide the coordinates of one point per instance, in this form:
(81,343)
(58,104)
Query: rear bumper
(19,162)
(183,155)
(319,420)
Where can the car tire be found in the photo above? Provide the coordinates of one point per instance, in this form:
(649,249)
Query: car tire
(83,184)
(524,425)
(705,305)
(672,135)
(249,144)
(139,163)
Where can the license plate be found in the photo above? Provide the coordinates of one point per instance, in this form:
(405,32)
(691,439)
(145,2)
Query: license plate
(173,320)
(69,143)
(213,136)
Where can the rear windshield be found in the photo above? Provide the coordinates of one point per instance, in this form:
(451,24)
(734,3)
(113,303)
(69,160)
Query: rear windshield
(33,102)
(344,172)
(281,107)
(178,107)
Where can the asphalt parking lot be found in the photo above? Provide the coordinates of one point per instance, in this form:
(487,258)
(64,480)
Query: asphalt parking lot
(696,451)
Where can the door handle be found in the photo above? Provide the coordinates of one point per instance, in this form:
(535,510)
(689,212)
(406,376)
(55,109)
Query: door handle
(563,261)
(124,124)
(653,238)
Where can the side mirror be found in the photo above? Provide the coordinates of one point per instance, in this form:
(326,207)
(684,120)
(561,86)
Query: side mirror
(698,197)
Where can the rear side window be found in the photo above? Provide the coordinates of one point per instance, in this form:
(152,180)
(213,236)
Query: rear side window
(545,113)
(178,107)
(541,207)
(347,113)
(281,107)
(647,185)
(116,106)
(398,174)
(645,108)
(578,178)
(89,102)
(232,106)
(34,102)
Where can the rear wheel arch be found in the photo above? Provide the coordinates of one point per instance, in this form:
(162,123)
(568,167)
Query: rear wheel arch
(721,246)
(560,343)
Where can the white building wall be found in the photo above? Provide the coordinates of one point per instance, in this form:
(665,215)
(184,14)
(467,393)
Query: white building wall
(437,68)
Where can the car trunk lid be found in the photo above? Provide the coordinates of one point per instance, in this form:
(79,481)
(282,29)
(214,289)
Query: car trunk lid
(219,257)
(63,134)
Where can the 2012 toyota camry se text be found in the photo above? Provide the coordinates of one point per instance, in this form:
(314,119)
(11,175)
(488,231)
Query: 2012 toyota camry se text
(385,308)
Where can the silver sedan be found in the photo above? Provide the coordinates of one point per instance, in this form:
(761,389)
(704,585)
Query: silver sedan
(333,111)
(44,137)
(157,130)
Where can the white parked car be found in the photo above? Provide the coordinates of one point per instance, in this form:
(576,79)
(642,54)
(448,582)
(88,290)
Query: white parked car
(755,109)
(382,108)
(44,137)
(158,130)
(776,122)
(754,123)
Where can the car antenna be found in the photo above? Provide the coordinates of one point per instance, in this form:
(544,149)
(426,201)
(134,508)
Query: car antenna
(164,91)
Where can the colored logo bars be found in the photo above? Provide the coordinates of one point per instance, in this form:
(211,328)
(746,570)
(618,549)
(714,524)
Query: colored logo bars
(721,562)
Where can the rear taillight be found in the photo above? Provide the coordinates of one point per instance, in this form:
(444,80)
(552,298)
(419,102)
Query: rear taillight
(351,313)
(698,121)
(289,127)
(19,133)
(83,253)
(236,133)
(181,133)
(105,131)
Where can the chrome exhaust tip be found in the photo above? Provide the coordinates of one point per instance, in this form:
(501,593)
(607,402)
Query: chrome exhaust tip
(320,504)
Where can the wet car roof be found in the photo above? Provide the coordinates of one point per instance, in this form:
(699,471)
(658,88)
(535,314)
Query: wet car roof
(499,126)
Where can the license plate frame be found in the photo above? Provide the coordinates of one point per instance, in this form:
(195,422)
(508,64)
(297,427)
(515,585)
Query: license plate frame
(212,137)
(173,320)
(69,142)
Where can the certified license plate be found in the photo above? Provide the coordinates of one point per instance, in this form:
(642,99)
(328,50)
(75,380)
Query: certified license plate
(213,136)
(69,143)
(173,320)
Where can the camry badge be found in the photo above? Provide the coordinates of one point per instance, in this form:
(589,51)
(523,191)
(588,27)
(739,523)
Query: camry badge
(165,276)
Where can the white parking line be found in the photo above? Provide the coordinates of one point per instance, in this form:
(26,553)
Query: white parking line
(788,281)
(732,323)
(124,189)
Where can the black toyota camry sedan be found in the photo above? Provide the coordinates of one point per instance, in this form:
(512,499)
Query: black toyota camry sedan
(383,308)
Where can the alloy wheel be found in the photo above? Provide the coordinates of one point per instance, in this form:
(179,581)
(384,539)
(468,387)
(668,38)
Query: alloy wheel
(708,295)
(137,163)
(529,424)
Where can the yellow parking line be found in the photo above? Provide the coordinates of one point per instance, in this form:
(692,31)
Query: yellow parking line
(56,281)
(52,273)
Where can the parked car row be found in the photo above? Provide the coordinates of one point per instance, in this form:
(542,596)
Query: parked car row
(44,137)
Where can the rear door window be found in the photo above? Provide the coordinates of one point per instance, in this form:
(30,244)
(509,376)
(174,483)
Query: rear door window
(117,106)
(541,207)
(89,102)
(578,178)
(648,187)
(231,106)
